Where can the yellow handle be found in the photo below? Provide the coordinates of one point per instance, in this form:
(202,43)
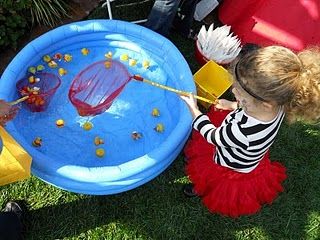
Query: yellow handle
(19,100)
(178,91)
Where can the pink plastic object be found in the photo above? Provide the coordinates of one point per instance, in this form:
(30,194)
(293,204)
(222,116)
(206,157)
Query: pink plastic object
(40,88)
(93,90)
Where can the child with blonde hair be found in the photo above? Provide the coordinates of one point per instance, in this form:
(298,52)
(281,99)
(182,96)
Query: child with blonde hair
(228,153)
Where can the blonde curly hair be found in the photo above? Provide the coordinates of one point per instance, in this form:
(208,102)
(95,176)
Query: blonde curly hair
(291,79)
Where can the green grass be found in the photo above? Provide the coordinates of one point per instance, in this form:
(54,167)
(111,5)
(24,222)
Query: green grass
(158,210)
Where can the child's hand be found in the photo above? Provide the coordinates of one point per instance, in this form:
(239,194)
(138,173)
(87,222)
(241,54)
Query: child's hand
(7,112)
(226,105)
(192,104)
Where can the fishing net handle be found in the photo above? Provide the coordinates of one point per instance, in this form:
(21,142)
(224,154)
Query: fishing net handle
(141,79)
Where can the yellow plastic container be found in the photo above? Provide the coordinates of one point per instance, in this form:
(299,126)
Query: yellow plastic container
(15,162)
(212,80)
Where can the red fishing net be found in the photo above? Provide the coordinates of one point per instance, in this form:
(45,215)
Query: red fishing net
(93,90)
(40,88)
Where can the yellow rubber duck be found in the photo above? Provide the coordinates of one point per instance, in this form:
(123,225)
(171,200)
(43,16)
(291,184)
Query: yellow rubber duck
(107,64)
(32,79)
(132,62)
(46,58)
(98,141)
(62,72)
(159,127)
(155,112)
(67,58)
(124,57)
(100,152)
(52,64)
(87,126)
(146,64)
(85,51)
(60,123)
(108,55)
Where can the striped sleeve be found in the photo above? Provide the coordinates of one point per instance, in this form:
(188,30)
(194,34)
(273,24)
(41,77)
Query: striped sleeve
(231,136)
(203,125)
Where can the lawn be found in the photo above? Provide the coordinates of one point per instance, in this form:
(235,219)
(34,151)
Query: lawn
(158,210)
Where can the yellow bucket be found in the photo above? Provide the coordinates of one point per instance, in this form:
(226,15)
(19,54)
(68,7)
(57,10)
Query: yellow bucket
(212,80)
(15,162)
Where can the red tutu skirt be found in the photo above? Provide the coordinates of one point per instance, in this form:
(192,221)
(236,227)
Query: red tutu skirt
(224,190)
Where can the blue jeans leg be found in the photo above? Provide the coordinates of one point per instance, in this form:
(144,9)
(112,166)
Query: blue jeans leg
(161,16)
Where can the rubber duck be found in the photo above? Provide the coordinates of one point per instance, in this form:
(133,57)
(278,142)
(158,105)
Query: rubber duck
(67,58)
(40,68)
(159,127)
(46,58)
(85,51)
(124,57)
(60,123)
(62,72)
(155,112)
(52,64)
(136,135)
(37,142)
(107,64)
(146,64)
(98,141)
(100,152)
(31,79)
(132,62)
(32,70)
(87,126)
(108,55)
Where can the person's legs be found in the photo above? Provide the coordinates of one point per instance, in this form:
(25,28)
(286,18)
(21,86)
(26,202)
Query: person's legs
(10,223)
(161,16)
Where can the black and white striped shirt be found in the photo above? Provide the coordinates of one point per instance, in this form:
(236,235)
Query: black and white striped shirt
(241,141)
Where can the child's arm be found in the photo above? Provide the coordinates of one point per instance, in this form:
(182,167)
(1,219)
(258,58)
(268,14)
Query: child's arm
(226,105)
(7,112)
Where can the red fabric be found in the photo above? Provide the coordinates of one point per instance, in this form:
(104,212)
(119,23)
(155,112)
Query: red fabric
(290,23)
(225,191)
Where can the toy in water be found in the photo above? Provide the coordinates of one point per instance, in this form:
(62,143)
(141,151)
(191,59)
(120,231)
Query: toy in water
(108,55)
(58,56)
(124,57)
(62,71)
(37,142)
(67,58)
(46,58)
(32,79)
(52,64)
(85,51)
(40,68)
(132,62)
(87,126)
(100,152)
(107,64)
(136,135)
(98,141)
(159,128)
(32,70)
(155,112)
(39,92)
(60,123)
(107,83)
(145,64)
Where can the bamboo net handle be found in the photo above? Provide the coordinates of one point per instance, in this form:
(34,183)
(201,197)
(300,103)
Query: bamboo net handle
(136,77)
(19,100)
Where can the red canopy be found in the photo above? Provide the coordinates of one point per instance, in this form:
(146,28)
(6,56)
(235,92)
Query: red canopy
(291,23)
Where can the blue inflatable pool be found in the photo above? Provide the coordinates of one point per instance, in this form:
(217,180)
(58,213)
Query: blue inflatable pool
(67,157)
